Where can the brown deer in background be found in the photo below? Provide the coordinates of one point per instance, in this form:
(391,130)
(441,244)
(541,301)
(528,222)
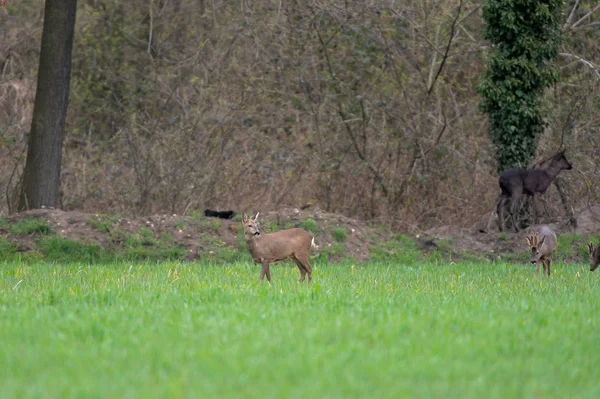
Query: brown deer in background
(594,256)
(516,182)
(266,248)
(542,249)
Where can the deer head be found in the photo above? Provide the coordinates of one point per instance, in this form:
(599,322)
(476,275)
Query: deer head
(533,240)
(250,226)
(594,256)
(560,161)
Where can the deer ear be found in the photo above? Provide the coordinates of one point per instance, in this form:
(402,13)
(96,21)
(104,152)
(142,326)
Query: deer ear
(590,248)
(244,218)
(255,216)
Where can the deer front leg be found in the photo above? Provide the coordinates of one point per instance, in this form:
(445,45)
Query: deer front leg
(268,273)
(544,267)
(263,272)
(537,270)
(549,263)
(514,205)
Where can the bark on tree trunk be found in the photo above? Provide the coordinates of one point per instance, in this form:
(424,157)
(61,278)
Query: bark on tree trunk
(41,180)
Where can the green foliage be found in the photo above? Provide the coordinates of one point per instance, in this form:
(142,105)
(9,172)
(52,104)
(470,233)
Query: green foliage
(165,238)
(335,251)
(310,225)
(227,255)
(31,225)
(271,227)
(216,225)
(143,246)
(101,223)
(58,249)
(3,224)
(237,218)
(146,236)
(176,330)
(180,225)
(339,235)
(158,253)
(7,248)
(503,236)
(400,250)
(525,35)
(197,215)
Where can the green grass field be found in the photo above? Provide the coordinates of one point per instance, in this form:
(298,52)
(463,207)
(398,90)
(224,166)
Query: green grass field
(380,331)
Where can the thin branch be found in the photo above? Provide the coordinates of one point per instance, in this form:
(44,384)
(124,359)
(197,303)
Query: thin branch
(586,16)
(571,15)
(151,28)
(583,61)
(341,113)
(452,31)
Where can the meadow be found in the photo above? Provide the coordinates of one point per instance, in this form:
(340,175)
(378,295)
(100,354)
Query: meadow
(385,330)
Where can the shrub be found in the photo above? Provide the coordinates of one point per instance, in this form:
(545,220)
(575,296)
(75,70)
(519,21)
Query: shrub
(310,225)
(339,235)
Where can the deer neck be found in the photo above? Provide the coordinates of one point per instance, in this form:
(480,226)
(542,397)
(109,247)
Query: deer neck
(251,240)
(552,171)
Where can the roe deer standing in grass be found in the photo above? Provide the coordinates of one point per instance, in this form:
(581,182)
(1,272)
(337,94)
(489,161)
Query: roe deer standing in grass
(542,249)
(516,182)
(594,256)
(266,248)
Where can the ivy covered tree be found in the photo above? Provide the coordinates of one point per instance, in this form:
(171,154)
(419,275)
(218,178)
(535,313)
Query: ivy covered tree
(525,35)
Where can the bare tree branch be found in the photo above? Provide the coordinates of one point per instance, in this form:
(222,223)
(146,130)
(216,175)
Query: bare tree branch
(586,16)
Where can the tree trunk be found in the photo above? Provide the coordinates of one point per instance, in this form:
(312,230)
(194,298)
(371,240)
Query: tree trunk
(41,180)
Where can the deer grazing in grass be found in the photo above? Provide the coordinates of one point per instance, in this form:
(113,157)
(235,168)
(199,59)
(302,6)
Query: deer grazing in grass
(516,182)
(594,256)
(542,248)
(294,244)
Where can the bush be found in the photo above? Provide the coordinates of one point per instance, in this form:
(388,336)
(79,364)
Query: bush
(339,235)
(310,225)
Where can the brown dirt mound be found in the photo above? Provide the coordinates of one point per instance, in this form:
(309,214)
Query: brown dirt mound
(197,234)
(201,236)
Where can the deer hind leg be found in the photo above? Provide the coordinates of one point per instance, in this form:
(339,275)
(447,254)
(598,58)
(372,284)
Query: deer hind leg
(500,212)
(302,270)
(548,267)
(304,261)
(534,209)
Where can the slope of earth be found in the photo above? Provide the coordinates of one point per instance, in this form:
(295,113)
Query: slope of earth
(43,232)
